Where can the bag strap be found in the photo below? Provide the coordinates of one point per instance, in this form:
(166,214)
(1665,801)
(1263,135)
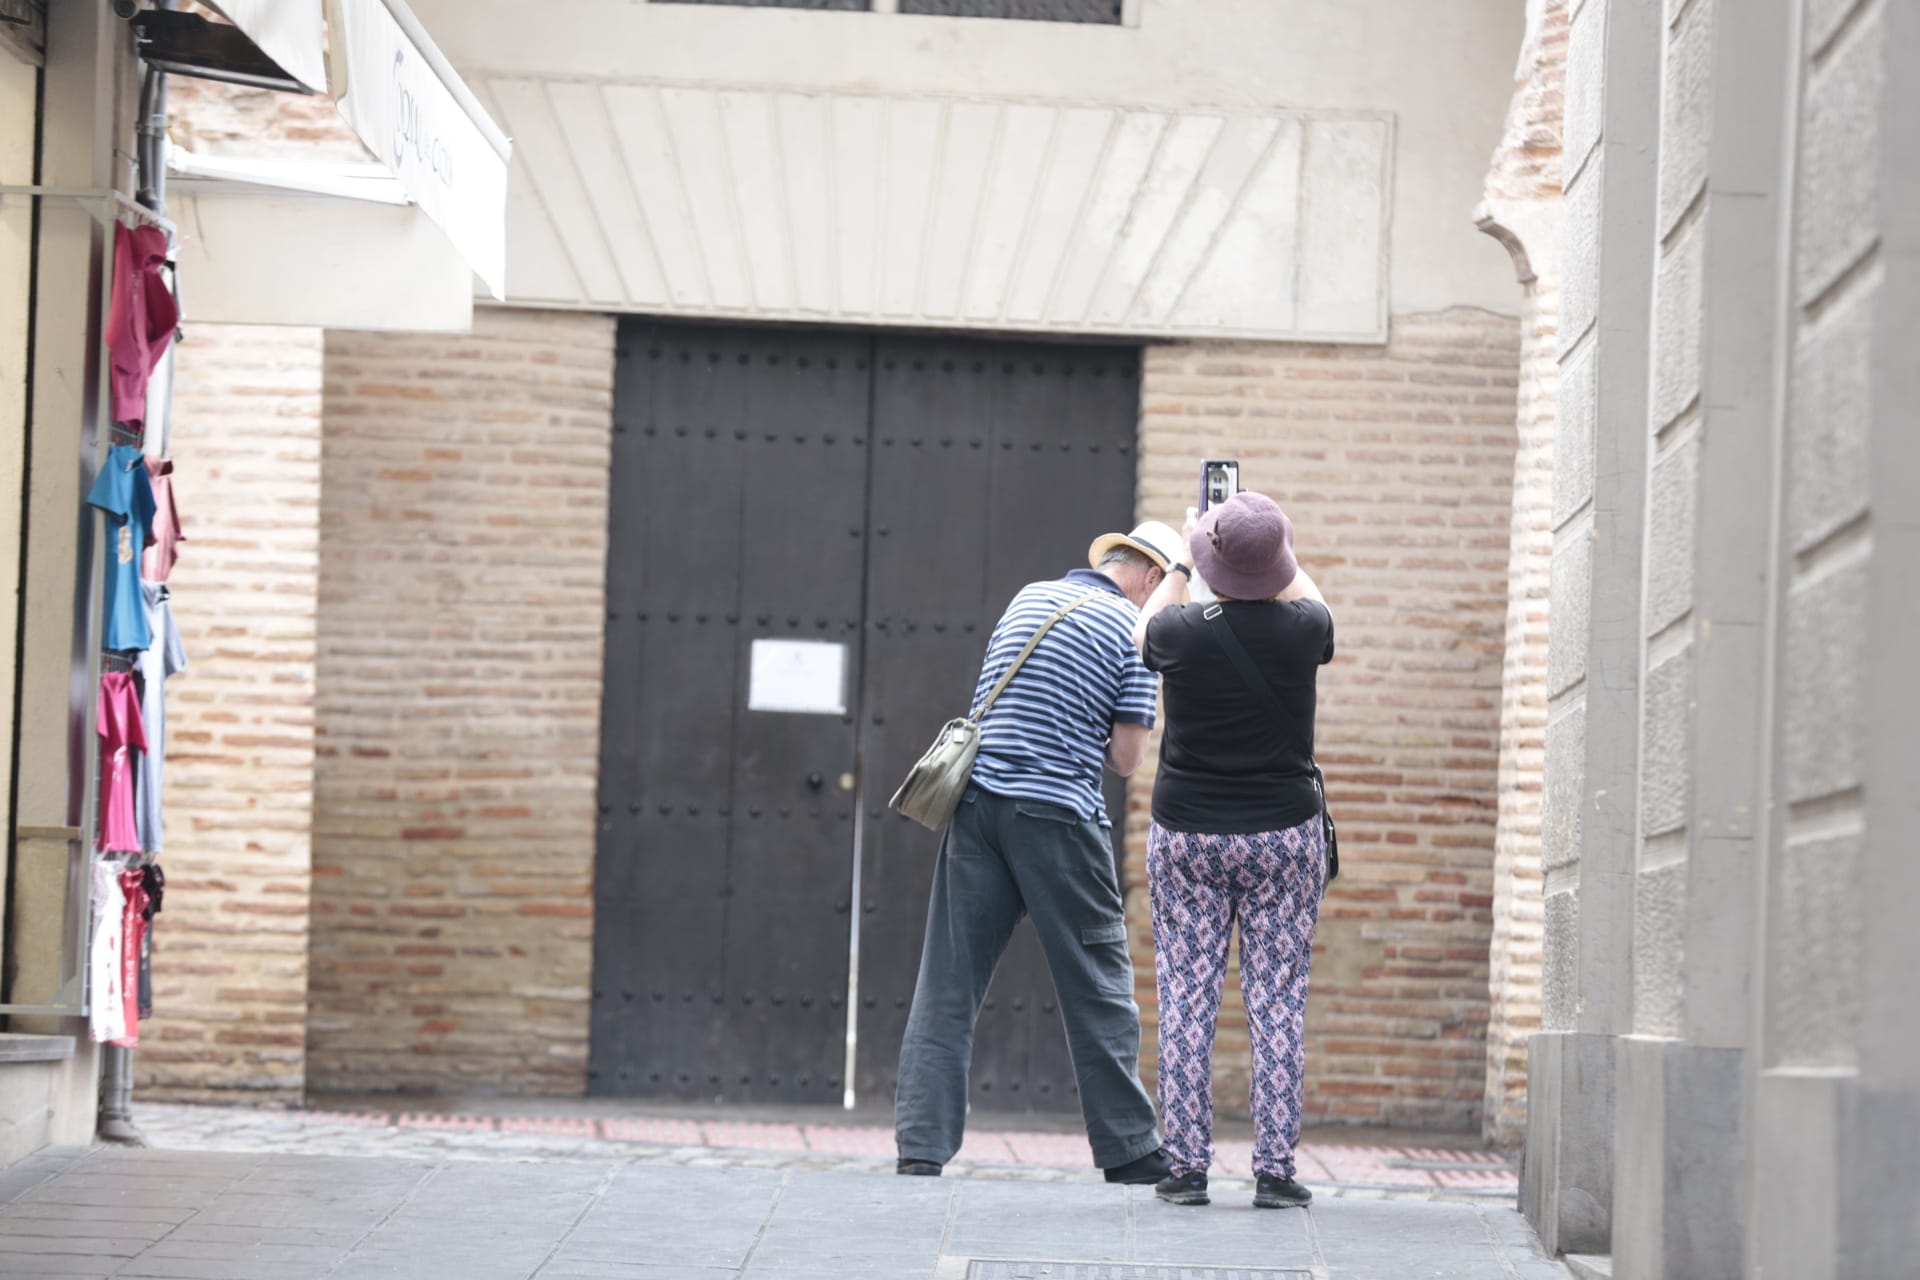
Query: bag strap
(1027,652)
(1243,663)
(1242,660)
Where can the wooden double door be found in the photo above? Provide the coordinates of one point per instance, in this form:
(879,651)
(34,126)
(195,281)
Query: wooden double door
(786,505)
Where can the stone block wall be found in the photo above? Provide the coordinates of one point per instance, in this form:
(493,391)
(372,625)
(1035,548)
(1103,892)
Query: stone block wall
(1590,803)
(463,534)
(1396,464)
(1839,1041)
(1814,984)
(1732,974)
(230,945)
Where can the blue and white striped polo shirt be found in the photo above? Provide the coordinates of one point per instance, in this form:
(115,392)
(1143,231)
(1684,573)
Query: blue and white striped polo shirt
(1046,738)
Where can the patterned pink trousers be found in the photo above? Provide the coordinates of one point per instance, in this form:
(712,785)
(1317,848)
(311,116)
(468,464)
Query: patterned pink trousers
(1270,882)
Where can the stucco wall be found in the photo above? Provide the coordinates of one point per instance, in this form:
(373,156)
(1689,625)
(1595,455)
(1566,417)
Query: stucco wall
(18,117)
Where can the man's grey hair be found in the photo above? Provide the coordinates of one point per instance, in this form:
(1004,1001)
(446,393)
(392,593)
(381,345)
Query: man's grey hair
(1126,555)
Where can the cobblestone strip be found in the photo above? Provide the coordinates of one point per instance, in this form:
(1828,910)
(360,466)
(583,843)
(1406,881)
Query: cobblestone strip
(1359,1172)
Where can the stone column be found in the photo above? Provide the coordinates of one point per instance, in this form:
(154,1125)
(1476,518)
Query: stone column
(1590,810)
(1713,339)
(87,94)
(1836,1085)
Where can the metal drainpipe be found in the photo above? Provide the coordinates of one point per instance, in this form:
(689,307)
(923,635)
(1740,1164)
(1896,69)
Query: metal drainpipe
(150,152)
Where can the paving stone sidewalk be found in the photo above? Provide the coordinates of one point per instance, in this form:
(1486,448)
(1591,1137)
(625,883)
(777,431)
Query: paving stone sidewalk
(1333,1164)
(251,1215)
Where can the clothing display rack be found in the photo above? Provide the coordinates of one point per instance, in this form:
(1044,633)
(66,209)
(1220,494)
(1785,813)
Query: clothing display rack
(107,207)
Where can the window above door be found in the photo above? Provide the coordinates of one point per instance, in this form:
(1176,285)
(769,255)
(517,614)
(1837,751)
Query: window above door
(1110,13)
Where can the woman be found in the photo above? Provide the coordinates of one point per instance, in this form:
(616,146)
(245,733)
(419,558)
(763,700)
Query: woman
(1236,831)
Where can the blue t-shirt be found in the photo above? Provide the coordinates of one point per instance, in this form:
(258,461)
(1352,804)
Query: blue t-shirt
(125,492)
(1046,738)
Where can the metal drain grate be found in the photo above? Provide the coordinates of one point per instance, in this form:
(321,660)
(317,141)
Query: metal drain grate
(1040,1269)
(1449,1166)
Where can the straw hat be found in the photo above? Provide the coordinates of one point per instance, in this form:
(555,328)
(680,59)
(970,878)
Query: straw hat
(1156,541)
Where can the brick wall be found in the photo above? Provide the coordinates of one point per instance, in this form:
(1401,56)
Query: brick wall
(230,946)
(1523,210)
(1518,915)
(1396,464)
(463,532)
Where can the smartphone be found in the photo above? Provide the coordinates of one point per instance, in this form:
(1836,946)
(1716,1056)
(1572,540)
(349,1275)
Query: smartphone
(1219,480)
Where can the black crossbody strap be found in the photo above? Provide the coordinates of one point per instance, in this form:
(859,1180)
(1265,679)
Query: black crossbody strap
(1242,660)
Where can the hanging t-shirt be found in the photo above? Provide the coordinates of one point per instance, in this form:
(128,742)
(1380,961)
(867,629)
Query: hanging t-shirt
(123,491)
(121,734)
(107,1003)
(164,657)
(143,317)
(164,539)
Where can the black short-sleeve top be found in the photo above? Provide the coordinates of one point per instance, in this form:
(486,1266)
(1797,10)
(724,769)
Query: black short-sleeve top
(1226,766)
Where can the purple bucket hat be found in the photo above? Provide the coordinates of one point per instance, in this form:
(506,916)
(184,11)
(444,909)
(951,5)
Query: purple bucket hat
(1243,548)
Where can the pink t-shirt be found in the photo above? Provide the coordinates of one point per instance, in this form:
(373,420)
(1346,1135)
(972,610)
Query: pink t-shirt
(121,734)
(165,537)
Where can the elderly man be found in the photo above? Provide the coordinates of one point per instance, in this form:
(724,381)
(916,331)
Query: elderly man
(1031,837)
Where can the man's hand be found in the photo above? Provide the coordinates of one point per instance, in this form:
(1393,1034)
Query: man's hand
(1171,591)
(1127,748)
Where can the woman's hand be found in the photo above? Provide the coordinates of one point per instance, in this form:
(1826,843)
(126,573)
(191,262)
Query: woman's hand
(1193,522)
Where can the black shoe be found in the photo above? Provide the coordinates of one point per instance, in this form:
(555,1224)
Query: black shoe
(1270,1192)
(1145,1171)
(1182,1188)
(916,1168)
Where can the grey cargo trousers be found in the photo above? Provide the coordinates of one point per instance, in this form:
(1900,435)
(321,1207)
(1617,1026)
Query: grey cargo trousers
(1002,858)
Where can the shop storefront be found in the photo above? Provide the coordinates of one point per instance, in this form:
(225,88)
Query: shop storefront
(113,250)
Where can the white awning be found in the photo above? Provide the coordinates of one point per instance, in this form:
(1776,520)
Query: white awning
(340,246)
(407,104)
(391,83)
(288,31)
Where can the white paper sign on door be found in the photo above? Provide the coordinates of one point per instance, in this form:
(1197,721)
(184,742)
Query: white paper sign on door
(807,676)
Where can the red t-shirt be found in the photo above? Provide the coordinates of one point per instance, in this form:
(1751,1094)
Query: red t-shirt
(133,932)
(142,320)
